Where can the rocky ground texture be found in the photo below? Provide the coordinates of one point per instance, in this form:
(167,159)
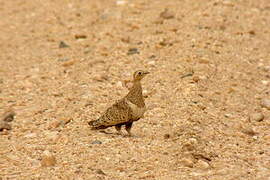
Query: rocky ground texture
(62,64)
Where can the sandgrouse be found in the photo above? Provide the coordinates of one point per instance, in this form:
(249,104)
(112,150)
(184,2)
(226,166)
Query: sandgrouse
(126,110)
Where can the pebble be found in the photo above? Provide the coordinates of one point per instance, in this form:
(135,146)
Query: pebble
(249,131)
(96,142)
(4,125)
(166,136)
(196,78)
(121,2)
(31,135)
(99,171)
(266,68)
(48,159)
(63,59)
(119,84)
(87,50)
(202,164)
(62,44)
(264,82)
(256,117)
(8,116)
(187,162)
(151,63)
(52,136)
(166,14)
(192,141)
(132,51)
(54,124)
(266,103)
(252,32)
(80,36)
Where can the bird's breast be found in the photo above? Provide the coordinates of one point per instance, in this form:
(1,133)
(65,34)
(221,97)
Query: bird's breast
(137,112)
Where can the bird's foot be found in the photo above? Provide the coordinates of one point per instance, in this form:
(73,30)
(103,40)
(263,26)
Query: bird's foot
(120,133)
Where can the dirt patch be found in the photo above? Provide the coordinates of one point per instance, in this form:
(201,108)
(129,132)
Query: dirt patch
(62,64)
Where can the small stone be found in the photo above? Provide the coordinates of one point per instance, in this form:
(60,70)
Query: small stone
(166,136)
(4,125)
(266,103)
(196,78)
(256,117)
(202,164)
(266,68)
(204,61)
(151,63)
(87,50)
(252,32)
(187,162)
(68,63)
(63,59)
(249,131)
(80,36)
(4,132)
(188,146)
(264,82)
(121,2)
(192,141)
(65,121)
(132,51)
(228,115)
(52,136)
(125,39)
(96,142)
(8,116)
(101,78)
(54,124)
(62,44)
(99,171)
(166,14)
(48,159)
(165,42)
(31,135)
(119,84)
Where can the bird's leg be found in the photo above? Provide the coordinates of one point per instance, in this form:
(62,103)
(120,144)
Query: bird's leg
(118,128)
(128,128)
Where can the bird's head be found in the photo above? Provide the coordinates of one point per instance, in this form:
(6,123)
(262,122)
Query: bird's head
(139,75)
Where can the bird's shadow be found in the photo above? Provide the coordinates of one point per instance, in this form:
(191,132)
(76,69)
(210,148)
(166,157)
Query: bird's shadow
(118,135)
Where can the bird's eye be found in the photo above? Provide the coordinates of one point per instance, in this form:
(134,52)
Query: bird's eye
(139,73)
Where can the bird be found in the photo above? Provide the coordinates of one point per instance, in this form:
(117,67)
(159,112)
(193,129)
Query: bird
(126,110)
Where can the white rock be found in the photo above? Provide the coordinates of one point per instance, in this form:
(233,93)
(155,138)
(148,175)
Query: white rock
(151,63)
(202,164)
(119,84)
(256,117)
(264,82)
(30,135)
(121,2)
(266,103)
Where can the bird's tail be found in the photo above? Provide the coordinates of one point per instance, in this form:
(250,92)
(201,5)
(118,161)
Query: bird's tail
(95,124)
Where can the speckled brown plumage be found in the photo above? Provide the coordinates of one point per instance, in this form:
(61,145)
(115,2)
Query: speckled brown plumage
(126,110)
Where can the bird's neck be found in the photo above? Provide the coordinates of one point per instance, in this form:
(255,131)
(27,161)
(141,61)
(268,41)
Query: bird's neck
(135,94)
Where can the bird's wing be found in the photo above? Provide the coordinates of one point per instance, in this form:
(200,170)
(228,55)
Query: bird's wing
(118,113)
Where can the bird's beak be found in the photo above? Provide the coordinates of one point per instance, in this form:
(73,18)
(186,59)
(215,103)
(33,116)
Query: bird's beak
(146,72)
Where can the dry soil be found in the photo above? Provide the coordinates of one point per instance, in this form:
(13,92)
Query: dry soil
(62,64)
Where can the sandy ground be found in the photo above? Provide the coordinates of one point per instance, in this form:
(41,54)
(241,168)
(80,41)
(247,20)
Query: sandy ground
(210,73)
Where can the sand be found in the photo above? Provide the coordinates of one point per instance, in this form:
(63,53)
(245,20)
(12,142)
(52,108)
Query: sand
(62,64)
